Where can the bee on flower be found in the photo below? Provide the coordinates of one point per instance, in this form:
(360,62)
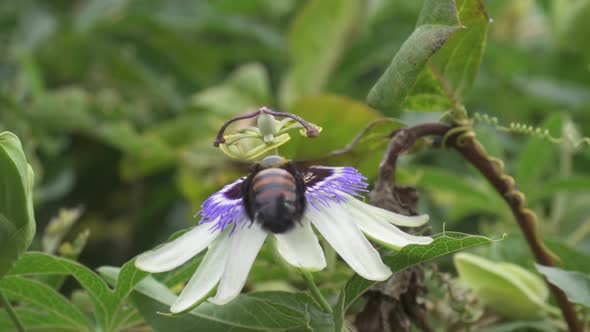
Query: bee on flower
(284,200)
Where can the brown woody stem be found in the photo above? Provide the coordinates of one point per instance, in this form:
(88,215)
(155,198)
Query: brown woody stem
(402,140)
(469,147)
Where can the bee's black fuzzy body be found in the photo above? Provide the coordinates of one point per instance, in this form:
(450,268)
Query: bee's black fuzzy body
(274,196)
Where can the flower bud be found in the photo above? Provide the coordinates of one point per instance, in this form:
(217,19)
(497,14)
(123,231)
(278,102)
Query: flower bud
(267,126)
(505,288)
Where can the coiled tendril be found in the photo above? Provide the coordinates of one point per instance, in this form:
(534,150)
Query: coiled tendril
(520,128)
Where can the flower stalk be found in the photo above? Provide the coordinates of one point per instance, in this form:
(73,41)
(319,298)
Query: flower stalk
(315,291)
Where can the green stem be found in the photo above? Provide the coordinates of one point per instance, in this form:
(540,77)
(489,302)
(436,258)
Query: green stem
(315,291)
(6,304)
(580,233)
(559,204)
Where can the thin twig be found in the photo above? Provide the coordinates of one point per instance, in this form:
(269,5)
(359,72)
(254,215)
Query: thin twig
(401,141)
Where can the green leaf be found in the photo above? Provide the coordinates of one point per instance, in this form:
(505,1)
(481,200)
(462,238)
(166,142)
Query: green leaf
(17,219)
(573,183)
(461,193)
(261,311)
(575,284)
(570,23)
(92,11)
(318,37)
(47,299)
(427,94)
(70,250)
(36,263)
(516,250)
(365,150)
(519,326)
(246,88)
(342,119)
(410,255)
(143,153)
(437,22)
(548,90)
(252,312)
(108,304)
(76,110)
(128,278)
(438,63)
(38,321)
(506,288)
(66,109)
(459,59)
(571,258)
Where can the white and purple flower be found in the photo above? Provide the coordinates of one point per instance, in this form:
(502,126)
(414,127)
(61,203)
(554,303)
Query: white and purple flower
(233,240)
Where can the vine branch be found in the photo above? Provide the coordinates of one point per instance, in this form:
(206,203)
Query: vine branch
(463,140)
(401,141)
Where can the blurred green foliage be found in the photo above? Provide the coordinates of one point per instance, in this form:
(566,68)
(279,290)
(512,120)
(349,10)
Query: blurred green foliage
(117,103)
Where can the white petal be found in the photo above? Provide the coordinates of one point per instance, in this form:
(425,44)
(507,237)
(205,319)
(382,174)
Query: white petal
(389,216)
(178,251)
(337,227)
(244,245)
(384,232)
(300,247)
(205,278)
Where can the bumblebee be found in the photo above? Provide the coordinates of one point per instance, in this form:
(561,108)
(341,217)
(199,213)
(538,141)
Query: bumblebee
(274,194)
